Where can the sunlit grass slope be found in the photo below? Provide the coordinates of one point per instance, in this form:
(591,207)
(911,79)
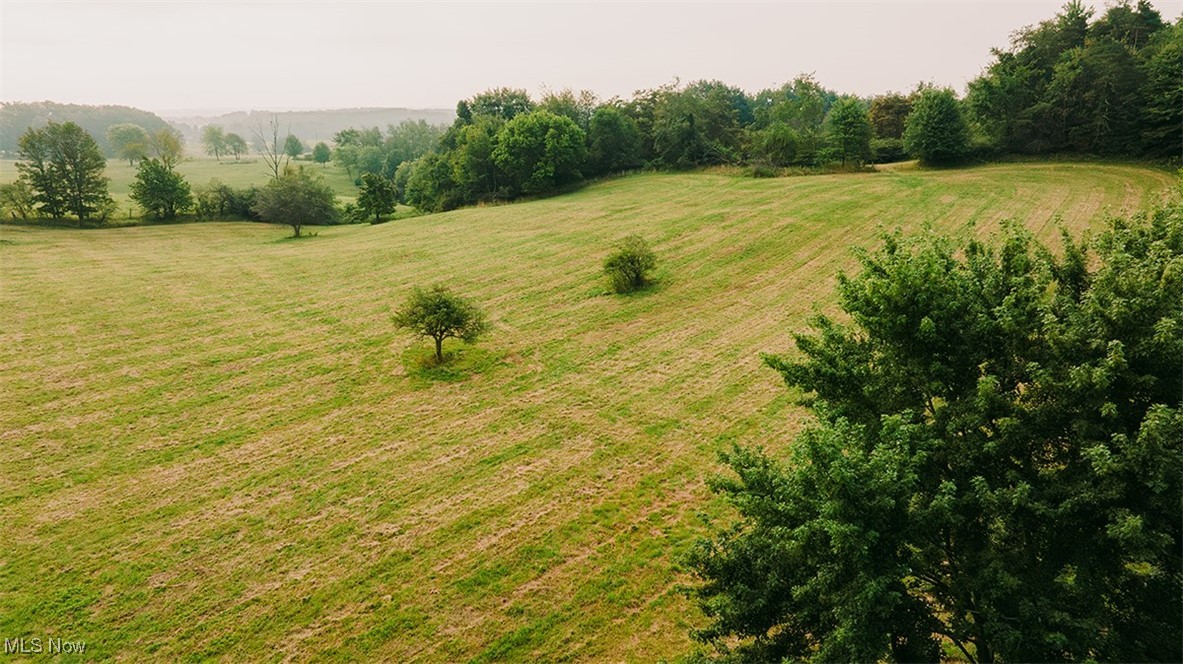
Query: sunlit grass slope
(215,445)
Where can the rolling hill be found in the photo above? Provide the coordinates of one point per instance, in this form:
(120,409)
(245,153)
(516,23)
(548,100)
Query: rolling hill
(216,445)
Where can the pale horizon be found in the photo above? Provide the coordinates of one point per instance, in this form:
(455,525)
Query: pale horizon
(179,58)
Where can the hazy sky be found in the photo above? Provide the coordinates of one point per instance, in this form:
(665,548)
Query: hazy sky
(288,55)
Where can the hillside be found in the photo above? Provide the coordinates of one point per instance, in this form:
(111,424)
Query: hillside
(17,117)
(217,446)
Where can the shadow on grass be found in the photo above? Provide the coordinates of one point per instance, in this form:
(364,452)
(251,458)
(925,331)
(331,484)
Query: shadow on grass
(292,238)
(460,363)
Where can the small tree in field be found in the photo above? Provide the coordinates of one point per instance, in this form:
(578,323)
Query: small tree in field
(321,153)
(439,313)
(296,198)
(293,147)
(629,266)
(235,145)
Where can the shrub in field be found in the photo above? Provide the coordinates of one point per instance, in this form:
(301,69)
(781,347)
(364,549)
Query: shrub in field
(629,267)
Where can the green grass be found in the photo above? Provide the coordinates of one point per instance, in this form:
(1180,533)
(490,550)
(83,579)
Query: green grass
(216,445)
(244,172)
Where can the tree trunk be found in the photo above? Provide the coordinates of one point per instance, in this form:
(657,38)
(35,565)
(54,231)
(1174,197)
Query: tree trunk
(439,349)
(296,228)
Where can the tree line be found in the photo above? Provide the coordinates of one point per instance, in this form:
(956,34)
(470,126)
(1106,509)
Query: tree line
(1076,83)
(17,117)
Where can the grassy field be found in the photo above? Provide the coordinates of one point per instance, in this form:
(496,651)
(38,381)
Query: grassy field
(216,446)
(200,170)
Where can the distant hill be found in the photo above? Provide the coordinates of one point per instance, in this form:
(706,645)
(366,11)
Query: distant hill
(310,126)
(17,117)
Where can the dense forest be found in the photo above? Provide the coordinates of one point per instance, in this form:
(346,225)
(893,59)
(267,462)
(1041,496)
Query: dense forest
(17,117)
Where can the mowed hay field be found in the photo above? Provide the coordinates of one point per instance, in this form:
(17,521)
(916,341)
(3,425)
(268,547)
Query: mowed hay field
(215,445)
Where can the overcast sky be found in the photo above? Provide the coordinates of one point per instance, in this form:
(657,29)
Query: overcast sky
(303,55)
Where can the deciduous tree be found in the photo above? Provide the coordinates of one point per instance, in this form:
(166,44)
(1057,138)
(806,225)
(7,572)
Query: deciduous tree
(321,153)
(848,130)
(936,132)
(168,146)
(64,168)
(160,191)
(440,314)
(539,151)
(236,145)
(296,198)
(995,465)
(213,137)
(293,146)
(128,141)
(376,196)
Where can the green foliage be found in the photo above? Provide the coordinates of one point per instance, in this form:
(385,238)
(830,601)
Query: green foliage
(579,108)
(887,150)
(1109,87)
(995,463)
(936,132)
(629,267)
(293,146)
(539,151)
(614,142)
(128,141)
(440,314)
(848,130)
(406,142)
(17,200)
(296,198)
(321,153)
(1161,121)
(377,196)
(64,169)
(160,191)
(774,145)
(168,146)
(696,126)
(801,105)
(888,114)
(213,137)
(236,145)
(505,103)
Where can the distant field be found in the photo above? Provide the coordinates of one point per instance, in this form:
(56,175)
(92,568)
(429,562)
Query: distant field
(216,446)
(245,172)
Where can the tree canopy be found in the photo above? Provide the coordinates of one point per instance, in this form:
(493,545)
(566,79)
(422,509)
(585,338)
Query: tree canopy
(994,468)
(935,131)
(128,141)
(297,198)
(440,314)
(160,191)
